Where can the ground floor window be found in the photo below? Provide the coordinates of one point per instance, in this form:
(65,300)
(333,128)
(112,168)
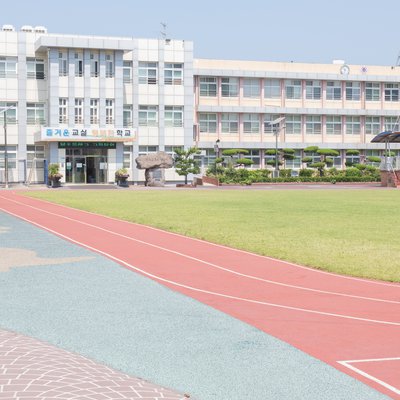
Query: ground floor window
(11,156)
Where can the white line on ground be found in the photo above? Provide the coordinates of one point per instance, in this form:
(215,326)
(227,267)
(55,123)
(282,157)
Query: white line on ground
(201,290)
(208,263)
(347,364)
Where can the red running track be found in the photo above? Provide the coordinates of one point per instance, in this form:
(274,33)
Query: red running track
(349,323)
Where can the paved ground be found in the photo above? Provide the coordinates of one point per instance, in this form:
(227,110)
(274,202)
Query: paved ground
(85,303)
(30,369)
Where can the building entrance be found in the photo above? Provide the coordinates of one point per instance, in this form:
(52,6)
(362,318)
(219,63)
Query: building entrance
(86,166)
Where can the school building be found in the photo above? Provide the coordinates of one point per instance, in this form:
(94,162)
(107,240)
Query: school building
(93,104)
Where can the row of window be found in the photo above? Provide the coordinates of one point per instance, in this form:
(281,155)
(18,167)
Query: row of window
(298,89)
(148,71)
(295,124)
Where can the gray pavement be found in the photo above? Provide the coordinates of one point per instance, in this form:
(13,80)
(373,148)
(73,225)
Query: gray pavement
(79,301)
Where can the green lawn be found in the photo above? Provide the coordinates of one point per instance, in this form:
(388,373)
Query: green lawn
(354,232)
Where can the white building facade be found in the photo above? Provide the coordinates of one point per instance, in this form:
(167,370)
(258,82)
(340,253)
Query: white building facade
(93,104)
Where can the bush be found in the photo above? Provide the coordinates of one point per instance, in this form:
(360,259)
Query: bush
(327,152)
(311,149)
(306,159)
(244,161)
(374,159)
(351,152)
(233,152)
(285,173)
(271,152)
(306,172)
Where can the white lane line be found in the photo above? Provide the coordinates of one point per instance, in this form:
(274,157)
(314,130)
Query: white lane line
(215,244)
(158,278)
(347,364)
(211,264)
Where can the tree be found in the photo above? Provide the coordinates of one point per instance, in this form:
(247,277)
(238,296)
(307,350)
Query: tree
(185,163)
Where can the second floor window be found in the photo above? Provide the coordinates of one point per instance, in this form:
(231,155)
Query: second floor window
(63,110)
(229,123)
(173,116)
(78,61)
(94,65)
(272,89)
(208,122)
(391,92)
(313,124)
(109,111)
(62,63)
(372,91)
(251,123)
(333,125)
(94,111)
(148,73)
(127,71)
(78,111)
(148,115)
(372,125)
(127,116)
(11,113)
(35,68)
(173,74)
(35,114)
(109,65)
(293,124)
(353,125)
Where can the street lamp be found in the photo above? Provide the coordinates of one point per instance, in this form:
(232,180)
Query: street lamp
(276,128)
(216,151)
(4,110)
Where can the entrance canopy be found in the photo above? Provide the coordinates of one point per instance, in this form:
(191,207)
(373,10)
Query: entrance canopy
(387,137)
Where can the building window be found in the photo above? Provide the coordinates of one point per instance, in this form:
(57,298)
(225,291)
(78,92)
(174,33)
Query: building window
(353,91)
(313,124)
(173,116)
(208,86)
(35,68)
(333,125)
(268,118)
(78,62)
(229,87)
(127,116)
(251,123)
(353,125)
(94,65)
(35,114)
(251,88)
(352,159)
(148,115)
(173,74)
(295,163)
(11,157)
(94,111)
(148,73)
(78,111)
(372,125)
(127,71)
(293,89)
(372,91)
(208,122)
(127,157)
(391,124)
(62,64)
(293,124)
(229,123)
(254,155)
(391,92)
(63,110)
(272,89)
(313,90)
(8,67)
(109,111)
(35,152)
(11,113)
(147,149)
(206,158)
(333,90)
(109,65)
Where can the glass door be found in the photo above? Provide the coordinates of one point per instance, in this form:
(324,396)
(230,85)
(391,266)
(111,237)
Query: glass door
(79,169)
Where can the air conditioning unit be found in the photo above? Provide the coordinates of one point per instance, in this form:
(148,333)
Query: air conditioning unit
(8,28)
(40,29)
(27,28)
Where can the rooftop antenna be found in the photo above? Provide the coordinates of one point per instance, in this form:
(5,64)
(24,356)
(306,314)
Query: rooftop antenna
(398,60)
(164,30)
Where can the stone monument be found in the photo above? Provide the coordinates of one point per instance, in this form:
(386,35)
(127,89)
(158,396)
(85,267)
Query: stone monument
(154,165)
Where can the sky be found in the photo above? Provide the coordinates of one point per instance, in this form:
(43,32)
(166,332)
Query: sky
(363,32)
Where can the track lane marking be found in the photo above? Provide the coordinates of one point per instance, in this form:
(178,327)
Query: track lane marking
(208,263)
(374,282)
(160,279)
(348,365)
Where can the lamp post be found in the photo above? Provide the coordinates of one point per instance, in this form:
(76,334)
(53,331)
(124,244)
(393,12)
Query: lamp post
(5,145)
(276,128)
(216,151)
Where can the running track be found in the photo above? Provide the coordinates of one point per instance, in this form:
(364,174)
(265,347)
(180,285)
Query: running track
(349,323)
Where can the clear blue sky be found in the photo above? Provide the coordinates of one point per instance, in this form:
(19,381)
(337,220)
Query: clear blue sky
(358,31)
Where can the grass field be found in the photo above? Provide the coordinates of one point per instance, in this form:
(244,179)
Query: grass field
(353,232)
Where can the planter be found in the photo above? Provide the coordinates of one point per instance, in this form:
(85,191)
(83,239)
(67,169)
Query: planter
(122,181)
(55,183)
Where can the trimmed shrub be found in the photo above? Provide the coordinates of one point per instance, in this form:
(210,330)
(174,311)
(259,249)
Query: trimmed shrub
(351,152)
(311,149)
(244,161)
(306,173)
(271,152)
(327,152)
(306,159)
(374,159)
